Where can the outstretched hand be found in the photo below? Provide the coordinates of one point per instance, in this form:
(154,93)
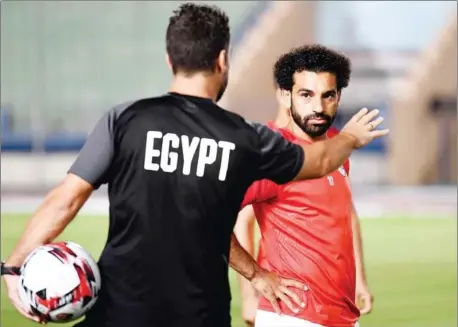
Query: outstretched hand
(362,126)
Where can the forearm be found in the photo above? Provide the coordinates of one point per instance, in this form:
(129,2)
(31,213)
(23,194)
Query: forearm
(50,219)
(322,158)
(358,248)
(244,231)
(241,261)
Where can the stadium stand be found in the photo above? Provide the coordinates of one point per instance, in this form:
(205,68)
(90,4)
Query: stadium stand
(13,141)
(415,129)
(73,65)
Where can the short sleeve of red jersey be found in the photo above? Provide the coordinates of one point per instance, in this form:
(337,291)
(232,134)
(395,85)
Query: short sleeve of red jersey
(331,133)
(260,191)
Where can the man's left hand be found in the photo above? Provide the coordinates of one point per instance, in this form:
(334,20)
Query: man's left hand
(364,298)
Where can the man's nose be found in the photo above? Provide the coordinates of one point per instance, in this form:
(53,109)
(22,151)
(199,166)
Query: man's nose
(319,108)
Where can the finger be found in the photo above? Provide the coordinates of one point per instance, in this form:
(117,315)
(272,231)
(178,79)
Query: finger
(273,300)
(365,310)
(367,305)
(23,309)
(19,305)
(369,116)
(374,124)
(294,283)
(24,312)
(249,323)
(379,133)
(286,300)
(360,114)
(292,295)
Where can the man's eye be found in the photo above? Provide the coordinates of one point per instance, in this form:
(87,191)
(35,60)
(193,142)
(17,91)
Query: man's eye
(305,95)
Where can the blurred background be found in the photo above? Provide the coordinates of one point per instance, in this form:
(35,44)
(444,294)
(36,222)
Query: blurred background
(63,64)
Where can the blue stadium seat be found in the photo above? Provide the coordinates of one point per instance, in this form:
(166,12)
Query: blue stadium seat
(64,142)
(17,142)
(13,142)
(6,121)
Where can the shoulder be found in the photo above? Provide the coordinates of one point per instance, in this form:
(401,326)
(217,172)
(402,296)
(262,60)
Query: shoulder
(116,111)
(268,136)
(260,191)
(127,109)
(258,128)
(267,129)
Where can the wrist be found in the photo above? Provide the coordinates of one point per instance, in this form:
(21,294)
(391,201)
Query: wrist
(255,272)
(349,138)
(13,261)
(361,281)
(6,269)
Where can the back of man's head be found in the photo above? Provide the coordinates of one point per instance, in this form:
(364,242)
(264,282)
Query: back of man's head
(196,35)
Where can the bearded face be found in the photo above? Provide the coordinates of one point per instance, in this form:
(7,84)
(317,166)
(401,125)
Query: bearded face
(314,102)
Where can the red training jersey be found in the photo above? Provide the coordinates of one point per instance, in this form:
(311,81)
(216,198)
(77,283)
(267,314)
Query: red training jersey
(306,235)
(330,133)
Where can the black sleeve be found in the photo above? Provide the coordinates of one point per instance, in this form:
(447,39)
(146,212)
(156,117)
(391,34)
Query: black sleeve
(280,160)
(94,159)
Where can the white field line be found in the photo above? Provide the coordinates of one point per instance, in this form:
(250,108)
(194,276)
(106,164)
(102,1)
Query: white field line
(373,207)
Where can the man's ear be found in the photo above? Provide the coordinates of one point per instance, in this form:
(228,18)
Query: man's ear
(222,63)
(284,98)
(167,60)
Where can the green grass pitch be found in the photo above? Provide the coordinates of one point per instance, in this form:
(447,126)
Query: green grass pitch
(410,263)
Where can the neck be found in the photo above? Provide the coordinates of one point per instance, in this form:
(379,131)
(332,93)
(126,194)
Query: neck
(198,85)
(282,119)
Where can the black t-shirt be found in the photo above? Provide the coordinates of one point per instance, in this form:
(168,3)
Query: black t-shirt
(177,168)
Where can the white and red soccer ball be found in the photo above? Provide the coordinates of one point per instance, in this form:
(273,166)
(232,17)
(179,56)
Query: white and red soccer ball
(59,282)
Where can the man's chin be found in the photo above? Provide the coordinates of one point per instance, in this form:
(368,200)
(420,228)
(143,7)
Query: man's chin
(315,132)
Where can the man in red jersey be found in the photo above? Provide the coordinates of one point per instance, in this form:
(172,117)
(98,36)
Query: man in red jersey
(310,231)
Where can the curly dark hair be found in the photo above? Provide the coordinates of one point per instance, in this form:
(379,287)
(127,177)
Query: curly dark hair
(312,58)
(195,36)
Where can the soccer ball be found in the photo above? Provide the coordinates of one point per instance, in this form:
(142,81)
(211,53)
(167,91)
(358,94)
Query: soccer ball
(59,282)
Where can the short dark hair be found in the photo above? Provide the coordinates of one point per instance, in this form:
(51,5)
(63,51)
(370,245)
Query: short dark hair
(196,35)
(312,58)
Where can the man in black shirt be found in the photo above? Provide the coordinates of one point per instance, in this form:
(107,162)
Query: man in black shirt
(177,167)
